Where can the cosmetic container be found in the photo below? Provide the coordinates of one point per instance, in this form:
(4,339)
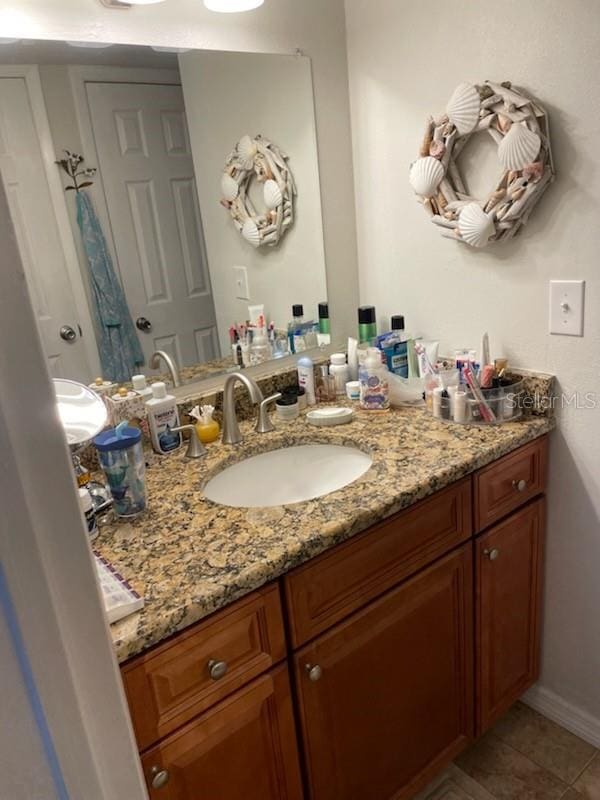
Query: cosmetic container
(287,407)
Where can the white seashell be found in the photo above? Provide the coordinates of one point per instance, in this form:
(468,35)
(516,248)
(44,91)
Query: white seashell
(425,176)
(250,232)
(463,108)
(246,150)
(475,225)
(519,147)
(229,187)
(272,194)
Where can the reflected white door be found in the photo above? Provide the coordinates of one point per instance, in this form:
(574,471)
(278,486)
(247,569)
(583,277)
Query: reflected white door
(23,171)
(146,165)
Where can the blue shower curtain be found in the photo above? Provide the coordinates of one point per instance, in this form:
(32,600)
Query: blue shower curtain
(120,350)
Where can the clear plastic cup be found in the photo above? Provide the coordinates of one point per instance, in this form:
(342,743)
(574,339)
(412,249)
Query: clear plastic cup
(122,460)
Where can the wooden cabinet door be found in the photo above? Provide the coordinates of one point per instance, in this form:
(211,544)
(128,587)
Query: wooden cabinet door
(243,748)
(386,697)
(508,561)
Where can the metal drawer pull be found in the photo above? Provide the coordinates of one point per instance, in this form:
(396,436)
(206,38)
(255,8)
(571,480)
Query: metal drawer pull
(217,669)
(520,486)
(314,672)
(160,777)
(492,554)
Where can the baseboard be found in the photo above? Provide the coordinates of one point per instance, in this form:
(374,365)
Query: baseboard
(564,713)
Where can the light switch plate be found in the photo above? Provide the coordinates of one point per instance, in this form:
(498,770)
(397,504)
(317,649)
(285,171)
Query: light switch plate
(566,307)
(242,292)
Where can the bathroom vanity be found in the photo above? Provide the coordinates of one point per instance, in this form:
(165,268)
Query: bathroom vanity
(359,672)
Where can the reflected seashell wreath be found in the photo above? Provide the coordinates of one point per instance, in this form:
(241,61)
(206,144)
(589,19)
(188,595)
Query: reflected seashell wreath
(259,159)
(519,126)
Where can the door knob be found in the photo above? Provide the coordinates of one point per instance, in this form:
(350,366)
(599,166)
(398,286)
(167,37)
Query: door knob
(314,672)
(143,324)
(217,669)
(492,554)
(68,333)
(520,486)
(160,777)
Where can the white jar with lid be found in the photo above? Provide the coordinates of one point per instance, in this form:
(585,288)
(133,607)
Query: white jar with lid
(339,369)
(287,407)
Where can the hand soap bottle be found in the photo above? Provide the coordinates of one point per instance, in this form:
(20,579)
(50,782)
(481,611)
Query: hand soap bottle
(162,418)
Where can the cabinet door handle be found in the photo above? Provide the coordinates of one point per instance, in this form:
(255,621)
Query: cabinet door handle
(314,672)
(520,486)
(217,669)
(492,554)
(160,777)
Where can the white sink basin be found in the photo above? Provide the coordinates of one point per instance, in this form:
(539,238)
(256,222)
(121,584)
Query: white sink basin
(289,475)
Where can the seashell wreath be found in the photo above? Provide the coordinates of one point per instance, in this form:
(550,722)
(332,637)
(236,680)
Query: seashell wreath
(261,160)
(519,126)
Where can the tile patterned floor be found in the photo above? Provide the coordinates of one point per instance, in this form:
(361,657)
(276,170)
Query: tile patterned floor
(524,757)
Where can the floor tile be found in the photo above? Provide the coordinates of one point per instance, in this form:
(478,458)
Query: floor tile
(571,794)
(544,742)
(507,774)
(588,784)
(454,785)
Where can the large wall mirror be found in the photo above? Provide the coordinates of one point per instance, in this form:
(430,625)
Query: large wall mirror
(137,253)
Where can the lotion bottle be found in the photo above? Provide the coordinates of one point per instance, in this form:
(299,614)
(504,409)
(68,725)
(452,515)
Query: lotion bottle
(374,385)
(162,418)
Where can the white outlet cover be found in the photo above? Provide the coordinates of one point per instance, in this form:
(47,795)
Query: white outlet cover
(242,291)
(566,307)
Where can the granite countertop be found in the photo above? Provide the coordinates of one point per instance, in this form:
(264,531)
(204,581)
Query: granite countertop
(189,557)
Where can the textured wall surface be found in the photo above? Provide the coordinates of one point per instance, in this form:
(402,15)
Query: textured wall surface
(405,60)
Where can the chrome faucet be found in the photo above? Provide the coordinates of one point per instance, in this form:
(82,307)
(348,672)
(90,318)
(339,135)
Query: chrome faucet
(154,363)
(231,428)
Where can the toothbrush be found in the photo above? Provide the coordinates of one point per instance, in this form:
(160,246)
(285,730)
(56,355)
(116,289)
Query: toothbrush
(486,412)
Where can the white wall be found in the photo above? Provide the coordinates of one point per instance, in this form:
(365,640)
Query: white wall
(228,95)
(280,26)
(405,58)
(27,772)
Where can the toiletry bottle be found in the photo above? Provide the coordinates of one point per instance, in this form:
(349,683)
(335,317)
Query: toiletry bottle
(339,369)
(162,418)
(374,386)
(367,323)
(260,349)
(141,387)
(306,378)
(294,333)
(87,506)
(325,385)
(324,334)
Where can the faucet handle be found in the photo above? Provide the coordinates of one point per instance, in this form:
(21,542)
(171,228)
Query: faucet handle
(264,423)
(195,447)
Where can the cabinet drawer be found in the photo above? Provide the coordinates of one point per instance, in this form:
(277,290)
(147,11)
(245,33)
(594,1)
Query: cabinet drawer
(168,686)
(339,582)
(510,482)
(244,747)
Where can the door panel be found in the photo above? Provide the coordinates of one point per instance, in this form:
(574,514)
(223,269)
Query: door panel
(146,166)
(394,700)
(508,563)
(32,210)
